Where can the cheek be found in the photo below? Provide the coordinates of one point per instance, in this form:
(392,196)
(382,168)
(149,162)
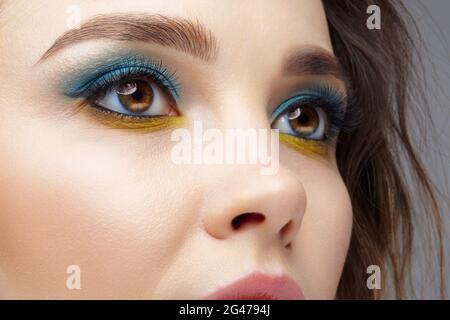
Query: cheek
(87,201)
(325,232)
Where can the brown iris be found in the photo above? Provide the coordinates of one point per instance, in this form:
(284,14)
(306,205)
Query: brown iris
(304,120)
(136,96)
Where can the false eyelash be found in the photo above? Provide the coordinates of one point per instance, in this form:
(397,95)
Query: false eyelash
(338,108)
(119,75)
(347,117)
(128,68)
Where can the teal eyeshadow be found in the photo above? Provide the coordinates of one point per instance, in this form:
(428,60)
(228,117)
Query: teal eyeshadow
(323,96)
(102,73)
(287,103)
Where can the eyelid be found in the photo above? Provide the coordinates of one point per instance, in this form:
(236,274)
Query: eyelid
(113,76)
(323,94)
(285,104)
(109,70)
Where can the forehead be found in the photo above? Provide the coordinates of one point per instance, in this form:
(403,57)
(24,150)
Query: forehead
(268,26)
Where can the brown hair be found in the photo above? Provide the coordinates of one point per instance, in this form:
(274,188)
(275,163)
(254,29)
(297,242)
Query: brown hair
(378,161)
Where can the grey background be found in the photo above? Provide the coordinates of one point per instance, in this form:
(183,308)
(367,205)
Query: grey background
(433,19)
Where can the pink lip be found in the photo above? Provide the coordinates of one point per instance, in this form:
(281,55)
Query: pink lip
(258,286)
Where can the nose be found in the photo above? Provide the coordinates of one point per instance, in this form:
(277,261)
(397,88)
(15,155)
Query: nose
(271,206)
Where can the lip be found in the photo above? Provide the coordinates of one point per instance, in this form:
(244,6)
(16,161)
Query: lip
(259,286)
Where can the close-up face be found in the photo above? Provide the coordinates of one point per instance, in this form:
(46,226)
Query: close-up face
(87,168)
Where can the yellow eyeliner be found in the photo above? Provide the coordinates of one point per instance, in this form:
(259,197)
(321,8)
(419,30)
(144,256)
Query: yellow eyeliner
(309,147)
(129,123)
(147,125)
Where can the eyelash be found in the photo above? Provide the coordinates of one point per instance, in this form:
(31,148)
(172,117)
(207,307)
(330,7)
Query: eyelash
(329,99)
(320,95)
(131,68)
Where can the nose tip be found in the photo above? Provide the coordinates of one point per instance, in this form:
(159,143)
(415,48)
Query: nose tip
(272,206)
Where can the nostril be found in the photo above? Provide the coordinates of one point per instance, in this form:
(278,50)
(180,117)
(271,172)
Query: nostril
(248,218)
(285,229)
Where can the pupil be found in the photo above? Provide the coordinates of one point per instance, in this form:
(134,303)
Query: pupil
(303,118)
(137,95)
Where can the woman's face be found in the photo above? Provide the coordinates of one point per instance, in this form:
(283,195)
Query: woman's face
(87,170)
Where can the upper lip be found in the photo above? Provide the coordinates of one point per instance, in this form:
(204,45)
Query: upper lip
(259,286)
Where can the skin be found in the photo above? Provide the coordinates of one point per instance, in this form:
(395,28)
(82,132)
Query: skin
(76,192)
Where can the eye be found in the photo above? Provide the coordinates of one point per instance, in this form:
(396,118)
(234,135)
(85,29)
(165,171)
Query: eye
(132,86)
(317,113)
(302,119)
(135,97)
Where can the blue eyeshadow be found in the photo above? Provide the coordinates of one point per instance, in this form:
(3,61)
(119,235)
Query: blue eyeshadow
(320,95)
(102,73)
(323,95)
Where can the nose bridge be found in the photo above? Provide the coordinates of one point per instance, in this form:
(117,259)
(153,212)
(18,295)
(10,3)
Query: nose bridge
(246,77)
(242,105)
(271,206)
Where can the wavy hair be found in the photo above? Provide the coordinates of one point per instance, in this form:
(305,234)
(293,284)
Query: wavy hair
(378,161)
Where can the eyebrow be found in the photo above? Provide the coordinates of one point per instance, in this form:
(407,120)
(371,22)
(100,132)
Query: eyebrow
(181,34)
(312,61)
